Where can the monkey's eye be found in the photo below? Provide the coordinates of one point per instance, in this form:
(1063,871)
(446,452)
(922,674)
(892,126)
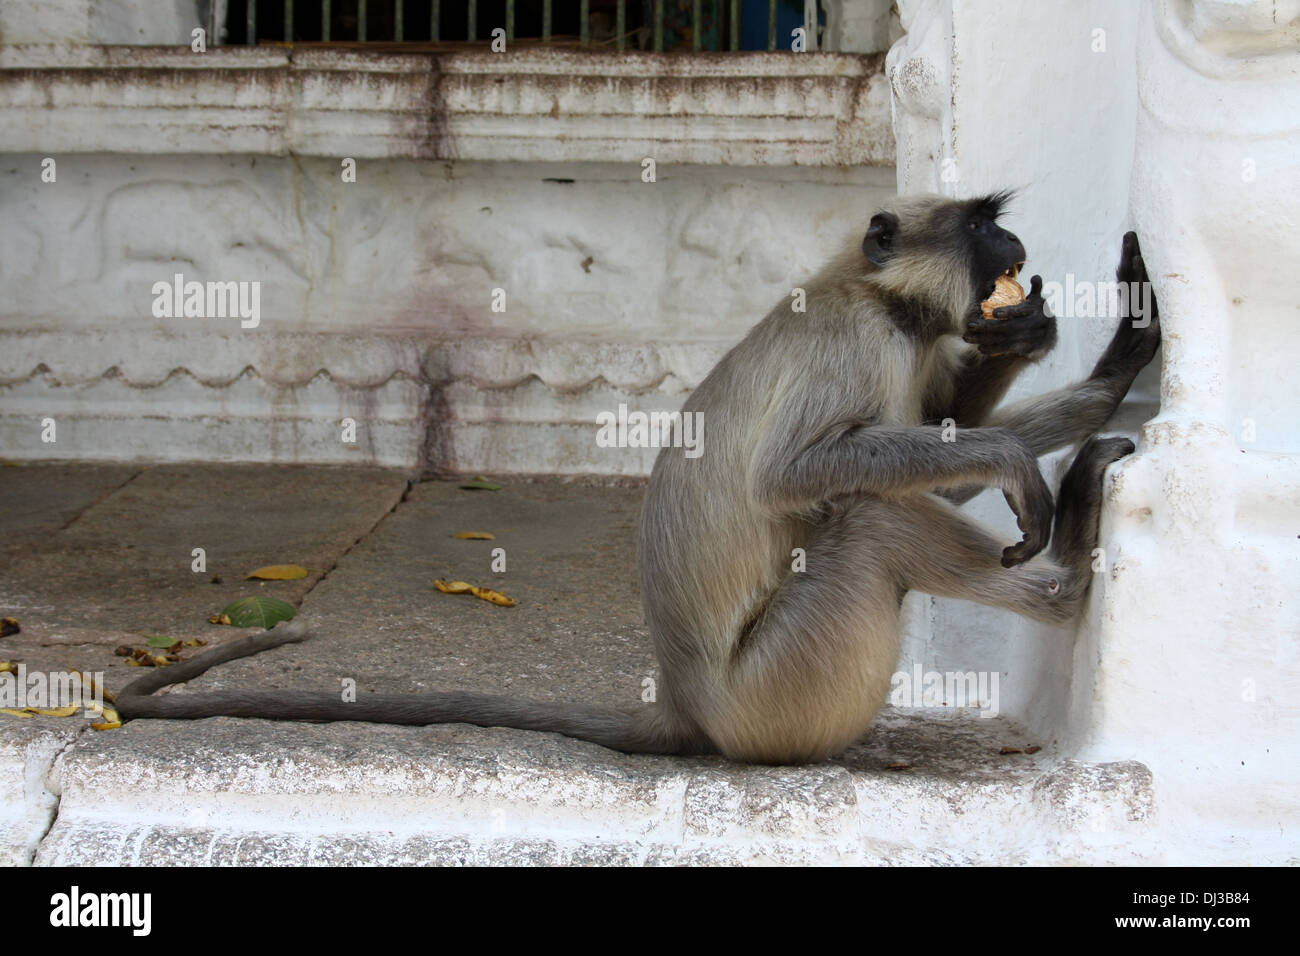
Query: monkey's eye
(974,224)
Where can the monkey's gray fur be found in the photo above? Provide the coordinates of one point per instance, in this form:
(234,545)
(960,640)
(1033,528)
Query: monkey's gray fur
(826,435)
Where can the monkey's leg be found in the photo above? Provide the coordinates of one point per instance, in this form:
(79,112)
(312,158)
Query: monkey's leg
(1078,504)
(950,555)
(810,672)
(815,666)
(954,556)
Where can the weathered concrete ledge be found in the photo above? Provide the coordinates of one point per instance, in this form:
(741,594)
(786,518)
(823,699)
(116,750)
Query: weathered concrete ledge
(228,792)
(742,109)
(503,405)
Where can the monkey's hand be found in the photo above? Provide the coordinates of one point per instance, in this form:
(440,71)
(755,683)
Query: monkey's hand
(1138,336)
(1031,502)
(1027,330)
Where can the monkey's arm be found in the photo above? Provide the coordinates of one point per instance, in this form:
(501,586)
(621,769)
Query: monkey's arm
(1005,345)
(791,474)
(977,386)
(1071,414)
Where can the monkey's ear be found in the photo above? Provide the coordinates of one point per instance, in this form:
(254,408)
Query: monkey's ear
(878,243)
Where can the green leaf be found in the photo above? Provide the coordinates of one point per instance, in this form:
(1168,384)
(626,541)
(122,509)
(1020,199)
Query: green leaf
(161,640)
(258,611)
(481,484)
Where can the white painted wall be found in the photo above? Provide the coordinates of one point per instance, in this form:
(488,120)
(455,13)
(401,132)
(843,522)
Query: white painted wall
(377,299)
(377,295)
(1196,634)
(1187,128)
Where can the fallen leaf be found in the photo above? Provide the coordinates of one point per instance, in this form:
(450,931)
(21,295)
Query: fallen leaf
(1033,750)
(475,535)
(278,572)
(257,611)
(8,667)
(8,625)
(66,711)
(455,587)
(481,484)
(161,640)
(15,713)
(1010,750)
(486,594)
(495,597)
(111,720)
(899,766)
(88,681)
(219,619)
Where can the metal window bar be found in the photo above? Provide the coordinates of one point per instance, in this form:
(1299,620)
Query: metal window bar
(656,30)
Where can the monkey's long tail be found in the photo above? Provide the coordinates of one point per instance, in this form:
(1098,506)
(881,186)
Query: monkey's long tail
(646,730)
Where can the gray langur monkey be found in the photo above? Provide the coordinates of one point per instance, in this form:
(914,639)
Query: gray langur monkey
(827,436)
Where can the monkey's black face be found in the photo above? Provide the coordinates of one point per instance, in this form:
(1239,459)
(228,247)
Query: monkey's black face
(993,252)
(957,235)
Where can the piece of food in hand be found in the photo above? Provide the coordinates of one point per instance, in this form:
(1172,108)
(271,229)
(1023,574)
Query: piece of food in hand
(1006,291)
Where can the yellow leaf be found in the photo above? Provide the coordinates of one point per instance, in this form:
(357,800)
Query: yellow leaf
(455,587)
(215,619)
(278,572)
(111,720)
(66,711)
(15,713)
(486,594)
(475,535)
(8,667)
(495,597)
(88,682)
